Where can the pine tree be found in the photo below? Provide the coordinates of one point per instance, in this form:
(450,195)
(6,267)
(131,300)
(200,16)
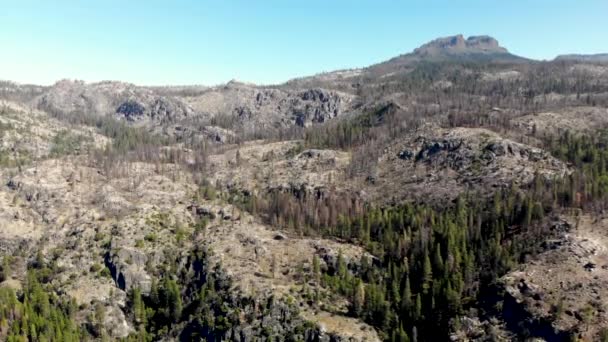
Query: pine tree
(359,298)
(406,299)
(100,312)
(342,270)
(139,309)
(5,273)
(438,259)
(417,314)
(316,269)
(402,335)
(154,294)
(427,273)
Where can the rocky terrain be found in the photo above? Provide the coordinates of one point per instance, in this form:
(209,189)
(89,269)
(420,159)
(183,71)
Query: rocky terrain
(131,221)
(437,163)
(430,162)
(242,107)
(565,285)
(459,45)
(266,211)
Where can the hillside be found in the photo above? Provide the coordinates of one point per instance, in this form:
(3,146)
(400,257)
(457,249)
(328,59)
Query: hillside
(423,198)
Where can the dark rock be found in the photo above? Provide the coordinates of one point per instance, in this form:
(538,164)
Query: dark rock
(226,213)
(280,237)
(13,185)
(590,266)
(126,268)
(131,109)
(497,148)
(406,154)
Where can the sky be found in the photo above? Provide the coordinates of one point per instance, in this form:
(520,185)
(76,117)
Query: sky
(176,42)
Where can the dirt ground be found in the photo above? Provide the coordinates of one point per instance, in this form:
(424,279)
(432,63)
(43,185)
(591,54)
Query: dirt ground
(568,284)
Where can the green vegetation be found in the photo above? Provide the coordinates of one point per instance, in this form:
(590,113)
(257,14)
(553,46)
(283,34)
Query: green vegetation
(14,158)
(206,191)
(38,315)
(67,142)
(168,304)
(95,268)
(587,187)
(151,237)
(127,138)
(345,134)
(294,151)
(433,264)
(5,268)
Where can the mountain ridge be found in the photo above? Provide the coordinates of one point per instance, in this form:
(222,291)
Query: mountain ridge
(597,57)
(455,48)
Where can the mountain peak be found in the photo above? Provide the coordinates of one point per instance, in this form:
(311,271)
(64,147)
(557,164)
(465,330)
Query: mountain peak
(458,45)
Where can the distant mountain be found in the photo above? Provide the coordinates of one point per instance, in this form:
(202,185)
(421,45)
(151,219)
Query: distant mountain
(447,49)
(453,48)
(598,58)
(251,108)
(458,45)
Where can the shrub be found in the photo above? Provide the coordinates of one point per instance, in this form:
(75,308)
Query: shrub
(151,237)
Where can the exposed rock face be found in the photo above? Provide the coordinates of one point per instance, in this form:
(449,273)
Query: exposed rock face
(116,322)
(456,45)
(329,105)
(160,109)
(472,329)
(113,98)
(68,96)
(282,167)
(131,109)
(552,294)
(581,119)
(442,163)
(245,107)
(127,269)
(266,313)
(258,108)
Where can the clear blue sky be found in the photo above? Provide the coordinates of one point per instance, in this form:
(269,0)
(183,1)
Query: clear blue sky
(210,42)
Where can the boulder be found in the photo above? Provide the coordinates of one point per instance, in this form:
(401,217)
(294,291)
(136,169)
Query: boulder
(406,154)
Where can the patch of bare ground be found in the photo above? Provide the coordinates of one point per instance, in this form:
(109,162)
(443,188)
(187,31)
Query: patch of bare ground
(568,284)
(258,165)
(576,119)
(262,261)
(349,328)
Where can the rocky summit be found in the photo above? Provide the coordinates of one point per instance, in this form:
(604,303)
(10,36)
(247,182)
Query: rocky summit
(458,45)
(454,193)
